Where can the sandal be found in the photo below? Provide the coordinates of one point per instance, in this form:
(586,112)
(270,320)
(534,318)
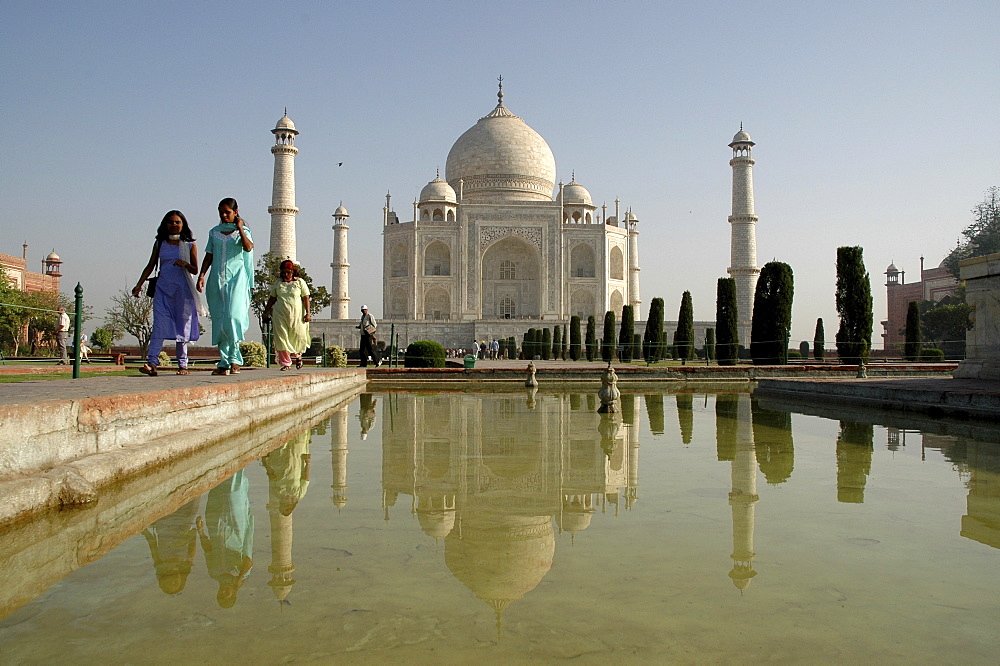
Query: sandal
(148,369)
(234,369)
(285,367)
(183,371)
(298,364)
(220,371)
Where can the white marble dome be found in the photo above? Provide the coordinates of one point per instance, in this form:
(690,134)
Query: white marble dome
(501,159)
(741,137)
(285,123)
(438,190)
(341,211)
(575,193)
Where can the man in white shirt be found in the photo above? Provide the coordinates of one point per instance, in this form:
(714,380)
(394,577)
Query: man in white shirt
(62,328)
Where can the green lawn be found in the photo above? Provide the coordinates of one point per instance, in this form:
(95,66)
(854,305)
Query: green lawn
(31,377)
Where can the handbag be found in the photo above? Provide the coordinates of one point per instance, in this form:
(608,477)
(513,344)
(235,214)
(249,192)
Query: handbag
(151,286)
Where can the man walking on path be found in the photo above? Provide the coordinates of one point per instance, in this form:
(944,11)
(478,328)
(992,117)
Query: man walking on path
(368,327)
(62,327)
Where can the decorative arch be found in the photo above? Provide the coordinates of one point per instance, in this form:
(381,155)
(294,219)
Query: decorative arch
(438,215)
(397,303)
(617,301)
(582,303)
(437,304)
(617,263)
(451,215)
(582,261)
(511,269)
(437,259)
(398,261)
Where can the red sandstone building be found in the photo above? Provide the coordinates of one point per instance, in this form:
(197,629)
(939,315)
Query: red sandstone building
(16,271)
(934,284)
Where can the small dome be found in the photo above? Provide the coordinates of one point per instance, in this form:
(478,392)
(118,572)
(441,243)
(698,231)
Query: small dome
(892,268)
(438,190)
(575,193)
(53,257)
(436,524)
(341,211)
(630,217)
(741,137)
(285,123)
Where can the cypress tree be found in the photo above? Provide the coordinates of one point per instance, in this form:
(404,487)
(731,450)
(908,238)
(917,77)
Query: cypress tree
(911,348)
(652,338)
(726,331)
(565,342)
(772,315)
(636,345)
(819,341)
(556,342)
(529,344)
(546,344)
(626,335)
(804,349)
(591,338)
(684,336)
(608,341)
(854,305)
(574,338)
(512,347)
(710,344)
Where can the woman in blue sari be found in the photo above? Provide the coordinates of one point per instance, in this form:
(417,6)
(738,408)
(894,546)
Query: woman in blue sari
(229,255)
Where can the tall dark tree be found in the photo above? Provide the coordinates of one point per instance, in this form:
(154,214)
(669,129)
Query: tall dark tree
(636,345)
(529,344)
(546,344)
(854,305)
(591,338)
(911,348)
(726,331)
(574,338)
(772,315)
(684,337)
(819,341)
(608,341)
(626,334)
(652,338)
(710,344)
(556,342)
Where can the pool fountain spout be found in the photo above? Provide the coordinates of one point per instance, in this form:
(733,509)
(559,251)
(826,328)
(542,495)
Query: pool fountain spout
(609,392)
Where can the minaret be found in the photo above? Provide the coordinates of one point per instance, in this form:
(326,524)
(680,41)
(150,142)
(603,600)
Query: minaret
(282,208)
(633,261)
(338,457)
(339,301)
(743,246)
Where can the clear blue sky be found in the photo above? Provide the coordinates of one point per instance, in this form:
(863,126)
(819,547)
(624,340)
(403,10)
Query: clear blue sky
(875,125)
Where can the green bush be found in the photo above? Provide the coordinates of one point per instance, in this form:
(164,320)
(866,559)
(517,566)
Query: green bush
(424,354)
(163,359)
(931,354)
(254,354)
(336,357)
(795,353)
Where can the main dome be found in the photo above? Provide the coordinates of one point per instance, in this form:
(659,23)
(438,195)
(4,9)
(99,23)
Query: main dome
(501,159)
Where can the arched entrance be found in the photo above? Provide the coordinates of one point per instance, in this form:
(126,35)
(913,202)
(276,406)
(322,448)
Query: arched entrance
(511,274)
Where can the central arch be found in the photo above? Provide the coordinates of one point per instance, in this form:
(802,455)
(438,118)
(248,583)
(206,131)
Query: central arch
(511,272)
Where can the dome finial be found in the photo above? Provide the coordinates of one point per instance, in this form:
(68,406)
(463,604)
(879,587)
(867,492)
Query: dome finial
(573,176)
(500,92)
(286,110)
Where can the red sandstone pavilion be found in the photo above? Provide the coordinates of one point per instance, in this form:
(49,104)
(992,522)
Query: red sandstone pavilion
(16,271)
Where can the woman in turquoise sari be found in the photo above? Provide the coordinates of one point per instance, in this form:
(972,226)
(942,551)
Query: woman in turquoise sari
(229,255)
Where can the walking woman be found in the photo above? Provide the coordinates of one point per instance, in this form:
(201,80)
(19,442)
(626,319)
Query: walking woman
(175,309)
(289,303)
(229,255)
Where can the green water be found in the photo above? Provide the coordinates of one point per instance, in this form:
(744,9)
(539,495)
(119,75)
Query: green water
(521,528)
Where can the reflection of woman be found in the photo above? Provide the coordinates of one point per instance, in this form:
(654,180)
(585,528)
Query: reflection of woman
(367,415)
(175,315)
(288,472)
(288,309)
(227,536)
(171,542)
(229,254)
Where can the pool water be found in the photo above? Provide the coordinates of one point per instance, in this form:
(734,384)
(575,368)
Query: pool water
(525,527)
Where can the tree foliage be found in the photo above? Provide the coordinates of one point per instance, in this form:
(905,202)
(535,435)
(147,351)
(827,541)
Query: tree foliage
(574,338)
(652,337)
(684,336)
(983,235)
(911,347)
(133,316)
(546,344)
(556,341)
(945,323)
(591,341)
(772,315)
(626,334)
(854,305)
(710,344)
(726,322)
(608,339)
(266,274)
(819,341)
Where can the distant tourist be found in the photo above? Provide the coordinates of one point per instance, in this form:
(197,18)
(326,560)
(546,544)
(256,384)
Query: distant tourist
(84,349)
(175,301)
(62,327)
(495,349)
(229,255)
(288,311)
(367,350)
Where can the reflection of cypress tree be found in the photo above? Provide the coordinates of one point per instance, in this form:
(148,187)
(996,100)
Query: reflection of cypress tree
(854,460)
(654,413)
(591,402)
(574,402)
(772,436)
(685,415)
(725,426)
(628,408)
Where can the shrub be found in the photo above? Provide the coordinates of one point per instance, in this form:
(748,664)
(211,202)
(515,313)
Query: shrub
(102,338)
(931,354)
(254,354)
(336,357)
(795,353)
(424,354)
(163,359)
(803,349)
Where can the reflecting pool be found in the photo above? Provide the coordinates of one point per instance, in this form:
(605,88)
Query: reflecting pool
(450,527)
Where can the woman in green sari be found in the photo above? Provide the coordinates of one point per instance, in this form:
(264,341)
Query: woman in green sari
(229,255)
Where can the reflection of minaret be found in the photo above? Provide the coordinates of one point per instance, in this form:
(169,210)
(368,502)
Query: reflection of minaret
(630,415)
(743,496)
(854,460)
(743,238)
(282,208)
(288,479)
(339,292)
(338,456)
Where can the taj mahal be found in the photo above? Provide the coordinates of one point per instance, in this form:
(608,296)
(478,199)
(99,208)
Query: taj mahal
(498,246)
